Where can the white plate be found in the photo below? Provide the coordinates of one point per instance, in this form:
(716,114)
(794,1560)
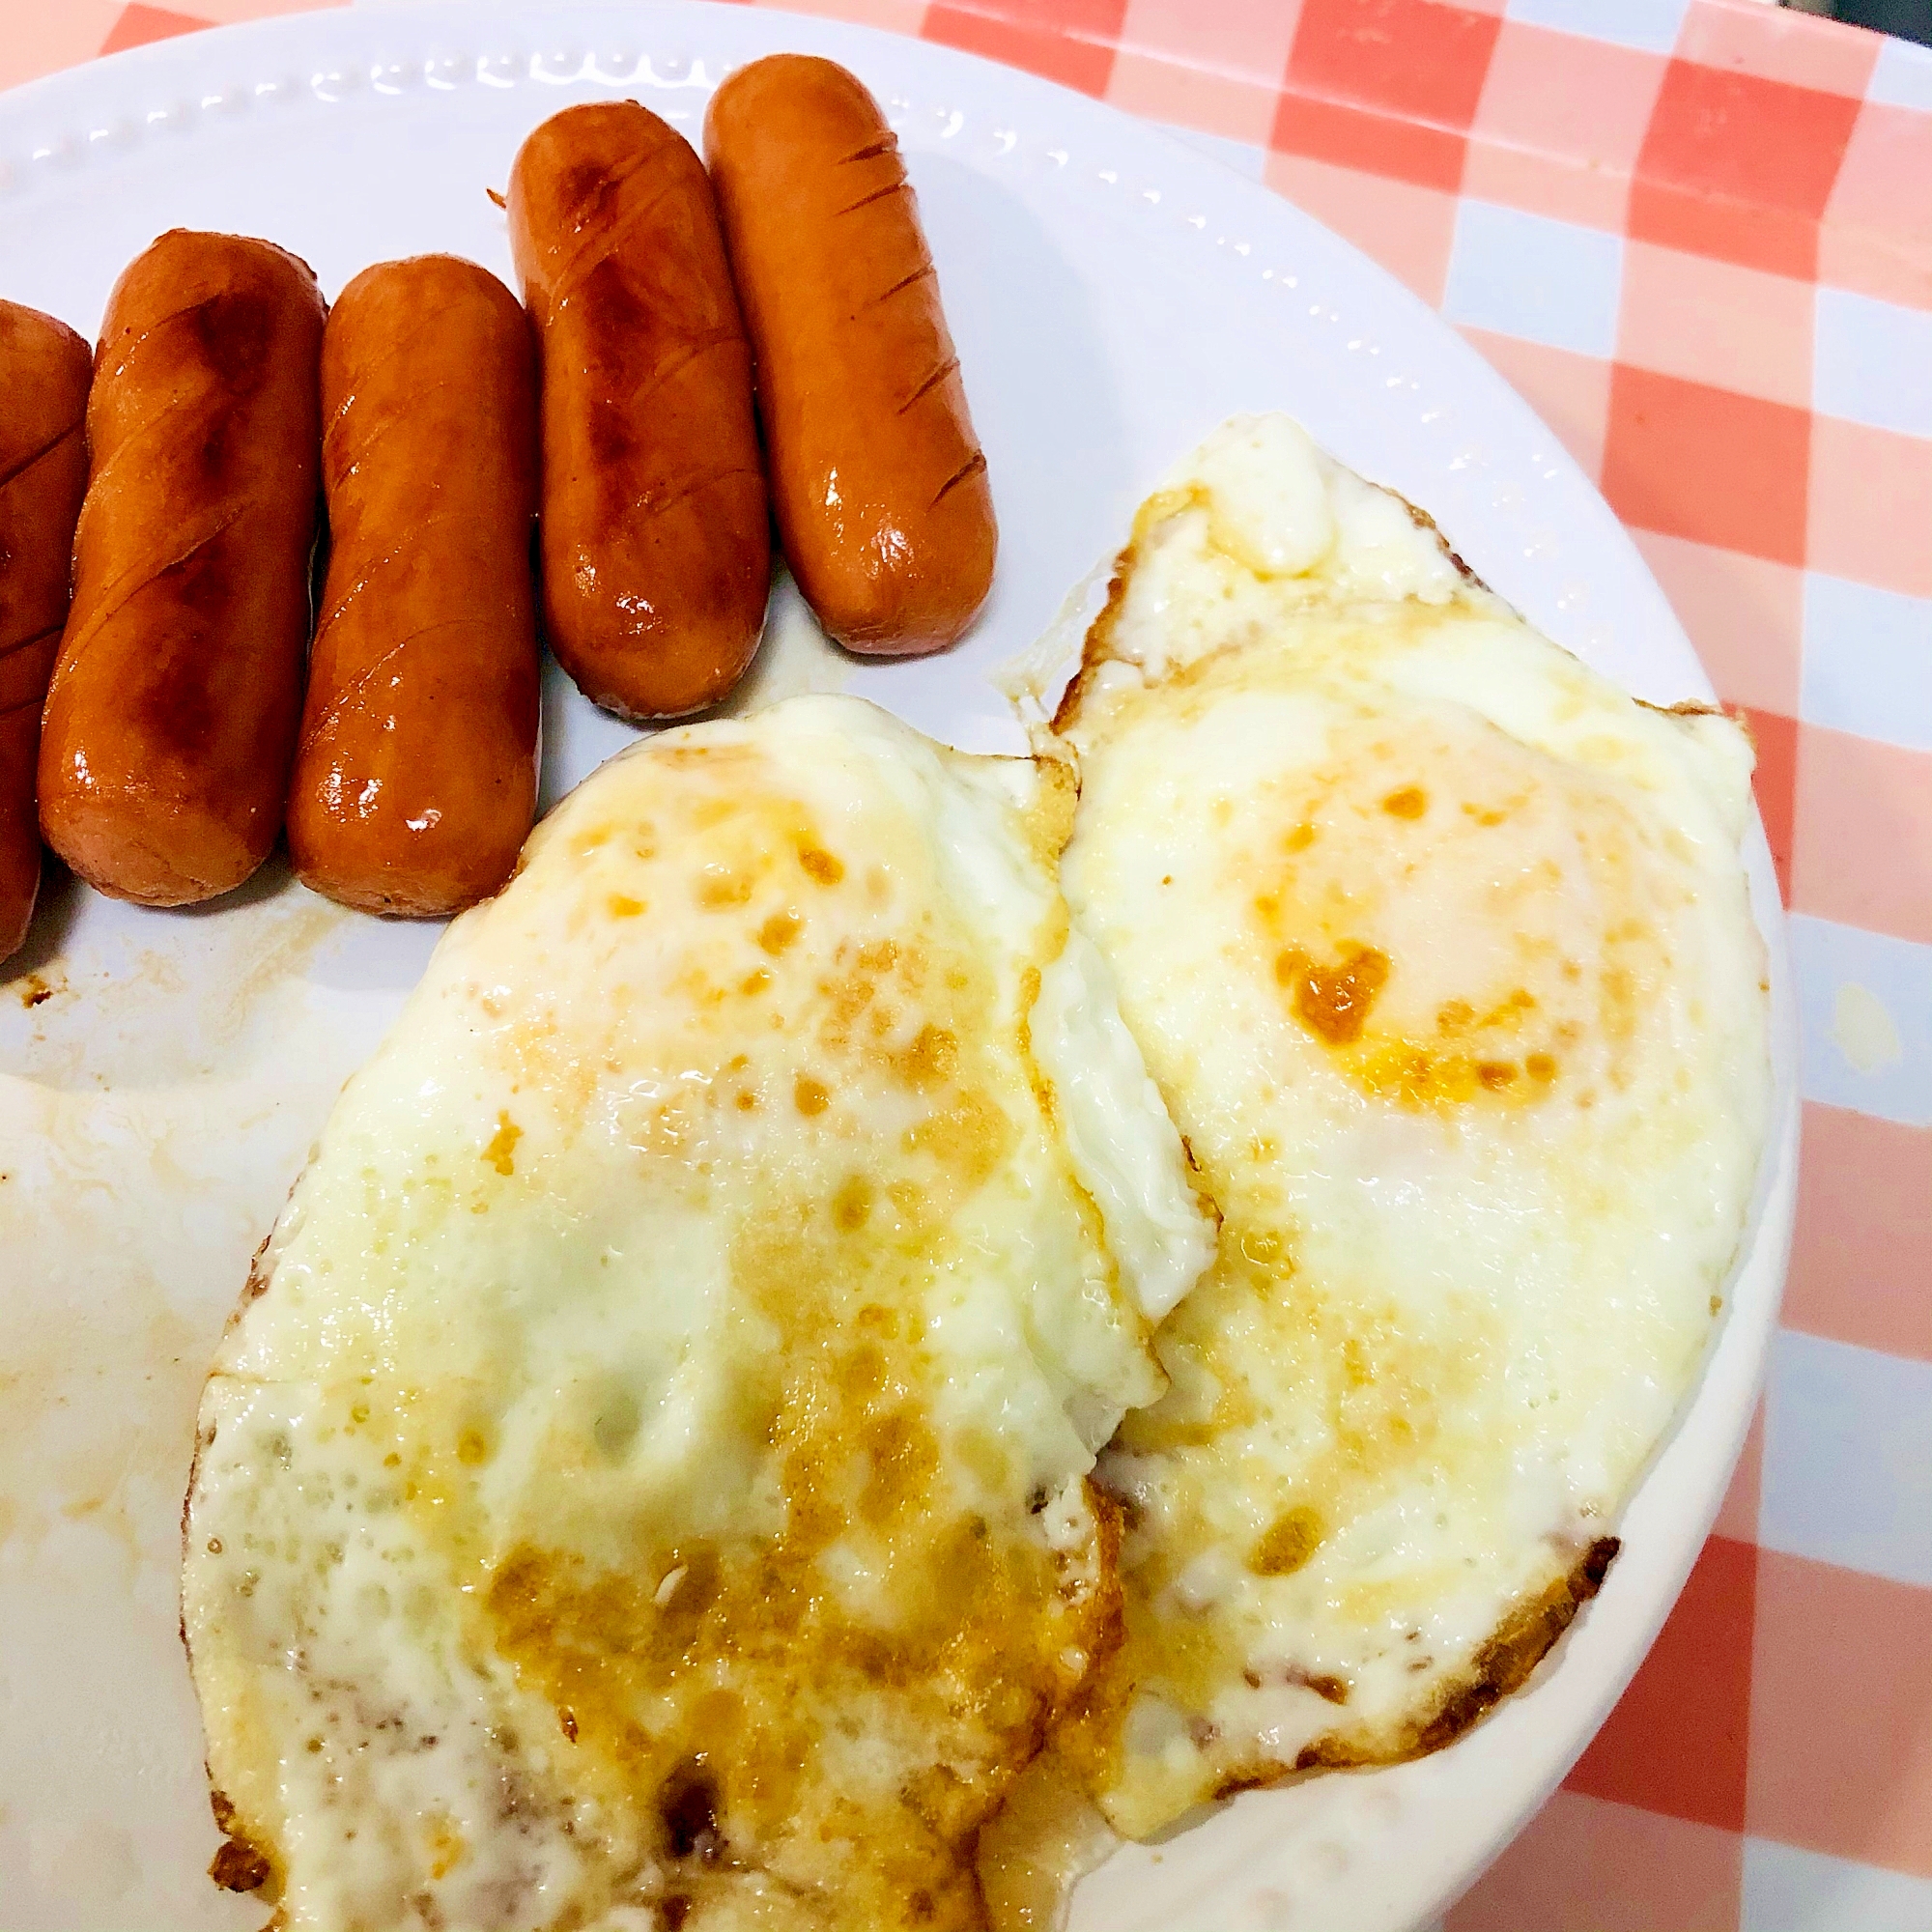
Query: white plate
(1113,296)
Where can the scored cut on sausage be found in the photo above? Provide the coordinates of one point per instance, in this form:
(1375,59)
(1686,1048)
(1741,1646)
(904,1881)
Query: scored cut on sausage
(171,718)
(655,535)
(44,369)
(415,778)
(877,479)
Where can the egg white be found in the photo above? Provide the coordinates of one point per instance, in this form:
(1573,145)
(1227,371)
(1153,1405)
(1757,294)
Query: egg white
(645,1484)
(1438,946)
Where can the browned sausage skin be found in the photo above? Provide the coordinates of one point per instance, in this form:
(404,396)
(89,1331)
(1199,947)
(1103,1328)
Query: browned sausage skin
(45,368)
(656,540)
(172,714)
(415,778)
(877,479)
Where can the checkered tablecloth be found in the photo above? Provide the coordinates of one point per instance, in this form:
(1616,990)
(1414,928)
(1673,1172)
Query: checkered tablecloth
(1697,236)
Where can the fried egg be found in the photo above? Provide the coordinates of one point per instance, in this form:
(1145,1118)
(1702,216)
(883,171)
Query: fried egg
(647,1482)
(1438,948)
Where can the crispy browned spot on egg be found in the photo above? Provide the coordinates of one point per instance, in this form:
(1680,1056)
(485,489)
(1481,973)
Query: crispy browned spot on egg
(1334,1002)
(241,1864)
(1287,1542)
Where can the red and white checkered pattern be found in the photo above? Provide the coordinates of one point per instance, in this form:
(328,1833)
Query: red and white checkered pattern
(1697,236)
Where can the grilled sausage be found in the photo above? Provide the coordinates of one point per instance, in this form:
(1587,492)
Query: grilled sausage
(656,540)
(415,778)
(172,714)
(877,480)
(45,368)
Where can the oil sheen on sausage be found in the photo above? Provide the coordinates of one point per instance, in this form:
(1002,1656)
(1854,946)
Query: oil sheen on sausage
(45,368)
(171,720)
(876,477)
(656,539)
(415,778)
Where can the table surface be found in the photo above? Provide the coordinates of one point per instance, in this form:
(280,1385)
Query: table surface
(1697,236)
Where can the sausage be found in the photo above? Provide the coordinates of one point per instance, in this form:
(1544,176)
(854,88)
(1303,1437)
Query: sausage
(656,539)
(877,480)
(415,776)
(171,718)
(45,368)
